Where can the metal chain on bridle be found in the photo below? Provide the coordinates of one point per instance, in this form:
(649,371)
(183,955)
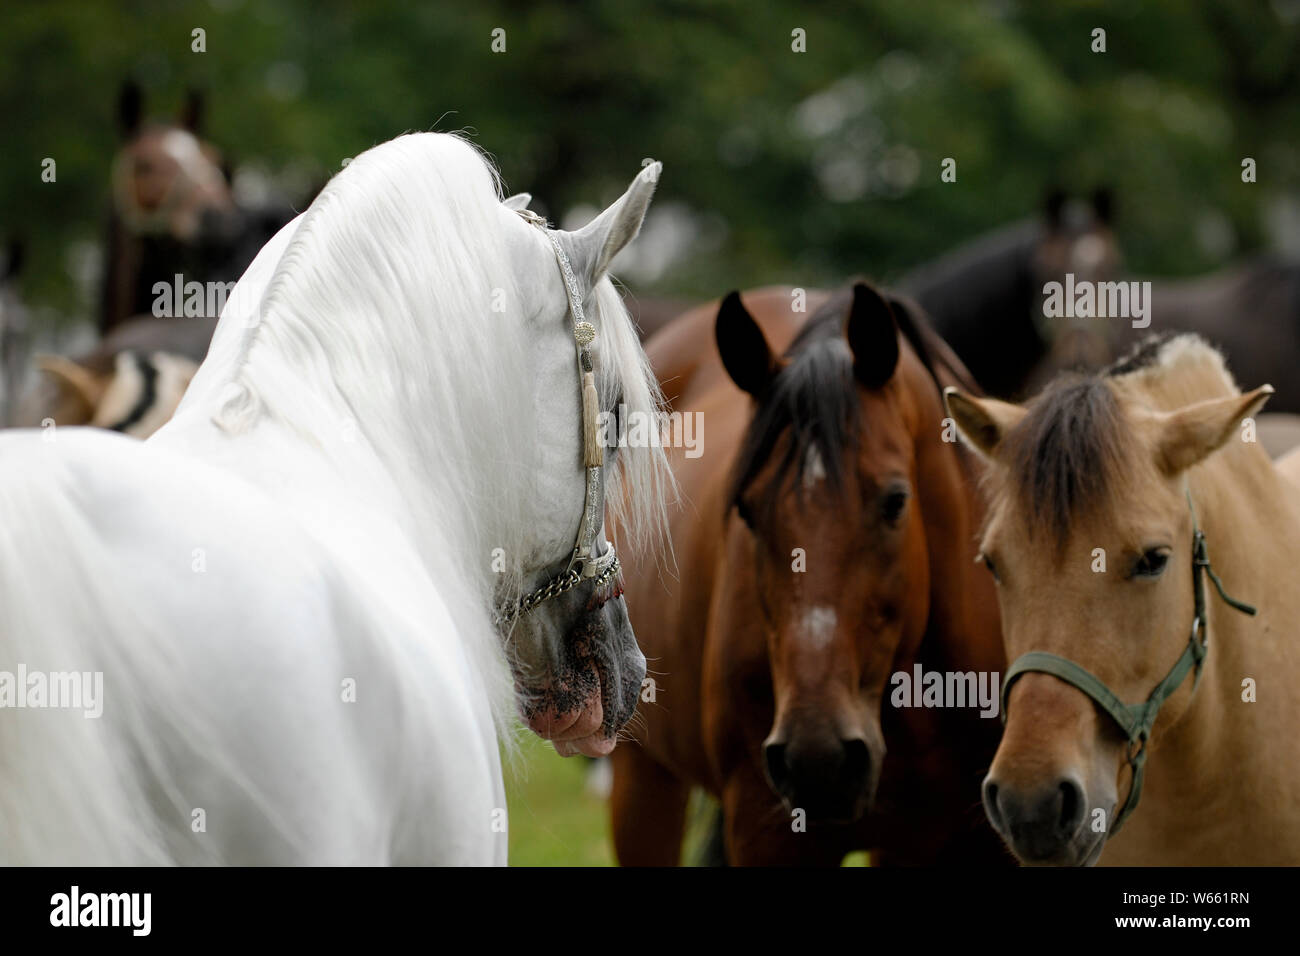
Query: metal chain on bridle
(583,564)
(1136,720)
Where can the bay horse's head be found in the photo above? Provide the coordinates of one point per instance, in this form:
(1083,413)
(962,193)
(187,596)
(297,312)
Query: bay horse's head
(165,178)
(825,487)
(1091,539)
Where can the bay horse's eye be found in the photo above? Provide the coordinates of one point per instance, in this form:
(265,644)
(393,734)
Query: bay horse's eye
(746,515)
(1151,564)
(988,563)
(892,505)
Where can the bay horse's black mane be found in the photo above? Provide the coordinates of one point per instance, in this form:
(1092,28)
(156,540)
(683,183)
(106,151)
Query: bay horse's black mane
(814,397)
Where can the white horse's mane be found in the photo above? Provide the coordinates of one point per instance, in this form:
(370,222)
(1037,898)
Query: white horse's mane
(378,322)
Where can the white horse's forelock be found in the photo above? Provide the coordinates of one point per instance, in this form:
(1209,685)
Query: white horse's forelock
(378,318)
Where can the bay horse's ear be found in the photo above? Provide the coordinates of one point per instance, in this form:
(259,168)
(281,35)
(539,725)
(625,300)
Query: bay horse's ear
(130,109)
(193,112)
(983,422)
(518,201)
(1191,433)
(872,332)
(593,247)
(745,353)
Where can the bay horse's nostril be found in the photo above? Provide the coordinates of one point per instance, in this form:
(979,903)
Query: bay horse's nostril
(778,771)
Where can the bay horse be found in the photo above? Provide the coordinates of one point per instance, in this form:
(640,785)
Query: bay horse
(826,544)
(985,298)
(307,609)
(1145,551)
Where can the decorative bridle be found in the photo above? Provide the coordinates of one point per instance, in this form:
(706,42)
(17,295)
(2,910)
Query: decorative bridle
(584,563)
(1136,720)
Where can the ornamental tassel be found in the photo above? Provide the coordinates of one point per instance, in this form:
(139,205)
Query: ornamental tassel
(593,454)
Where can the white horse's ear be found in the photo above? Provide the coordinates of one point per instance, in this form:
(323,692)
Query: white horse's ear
(593,247)
(518,201)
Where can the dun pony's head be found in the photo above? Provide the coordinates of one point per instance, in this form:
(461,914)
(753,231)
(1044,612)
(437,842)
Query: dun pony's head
(1090,538)
(826,549)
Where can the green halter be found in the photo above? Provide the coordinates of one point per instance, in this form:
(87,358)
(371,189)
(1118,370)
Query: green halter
(1136,720)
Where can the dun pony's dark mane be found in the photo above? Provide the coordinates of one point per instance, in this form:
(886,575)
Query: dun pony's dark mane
(1064,452)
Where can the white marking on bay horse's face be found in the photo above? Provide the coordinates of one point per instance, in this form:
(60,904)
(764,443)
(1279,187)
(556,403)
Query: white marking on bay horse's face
(819,625)
(814,470)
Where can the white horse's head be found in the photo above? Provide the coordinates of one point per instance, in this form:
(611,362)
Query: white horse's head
(575,657)
(413,316)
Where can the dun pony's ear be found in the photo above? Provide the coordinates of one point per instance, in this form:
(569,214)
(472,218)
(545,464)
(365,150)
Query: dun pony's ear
(983,422)
(1193,432)
(518,201)
(873,337)
(593,247)
(73,377)
(194,112)
(130,109)
(745,353)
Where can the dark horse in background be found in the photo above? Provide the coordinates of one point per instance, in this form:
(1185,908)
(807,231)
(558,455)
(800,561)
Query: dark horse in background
(173,214)
(985,298)
(14,332)
(826,543)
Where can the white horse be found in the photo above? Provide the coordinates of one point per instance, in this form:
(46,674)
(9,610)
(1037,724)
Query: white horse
(295,591)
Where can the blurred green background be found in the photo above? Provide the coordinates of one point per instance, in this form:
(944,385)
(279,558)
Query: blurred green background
(780,166)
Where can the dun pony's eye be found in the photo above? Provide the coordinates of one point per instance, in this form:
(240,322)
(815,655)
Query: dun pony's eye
(892,505)
(988,563)
(1151,564)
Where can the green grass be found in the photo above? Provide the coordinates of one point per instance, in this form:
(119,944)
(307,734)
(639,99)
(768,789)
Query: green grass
(554,821)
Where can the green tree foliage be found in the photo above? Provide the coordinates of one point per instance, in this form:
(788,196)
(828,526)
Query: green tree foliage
(797,167)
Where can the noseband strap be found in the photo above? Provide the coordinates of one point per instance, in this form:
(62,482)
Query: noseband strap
(1136,720)
(584,563)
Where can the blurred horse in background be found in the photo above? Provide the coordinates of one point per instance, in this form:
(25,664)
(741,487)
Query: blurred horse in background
(173,212)
(14,333)
(174,222)
(826,544)
(985,298)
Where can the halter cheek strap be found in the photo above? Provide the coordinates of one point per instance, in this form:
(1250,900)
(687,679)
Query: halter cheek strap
(1136,720)
(584,562)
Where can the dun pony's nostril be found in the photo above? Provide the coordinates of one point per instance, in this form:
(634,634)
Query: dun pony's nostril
(991,808)
(1072,806)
